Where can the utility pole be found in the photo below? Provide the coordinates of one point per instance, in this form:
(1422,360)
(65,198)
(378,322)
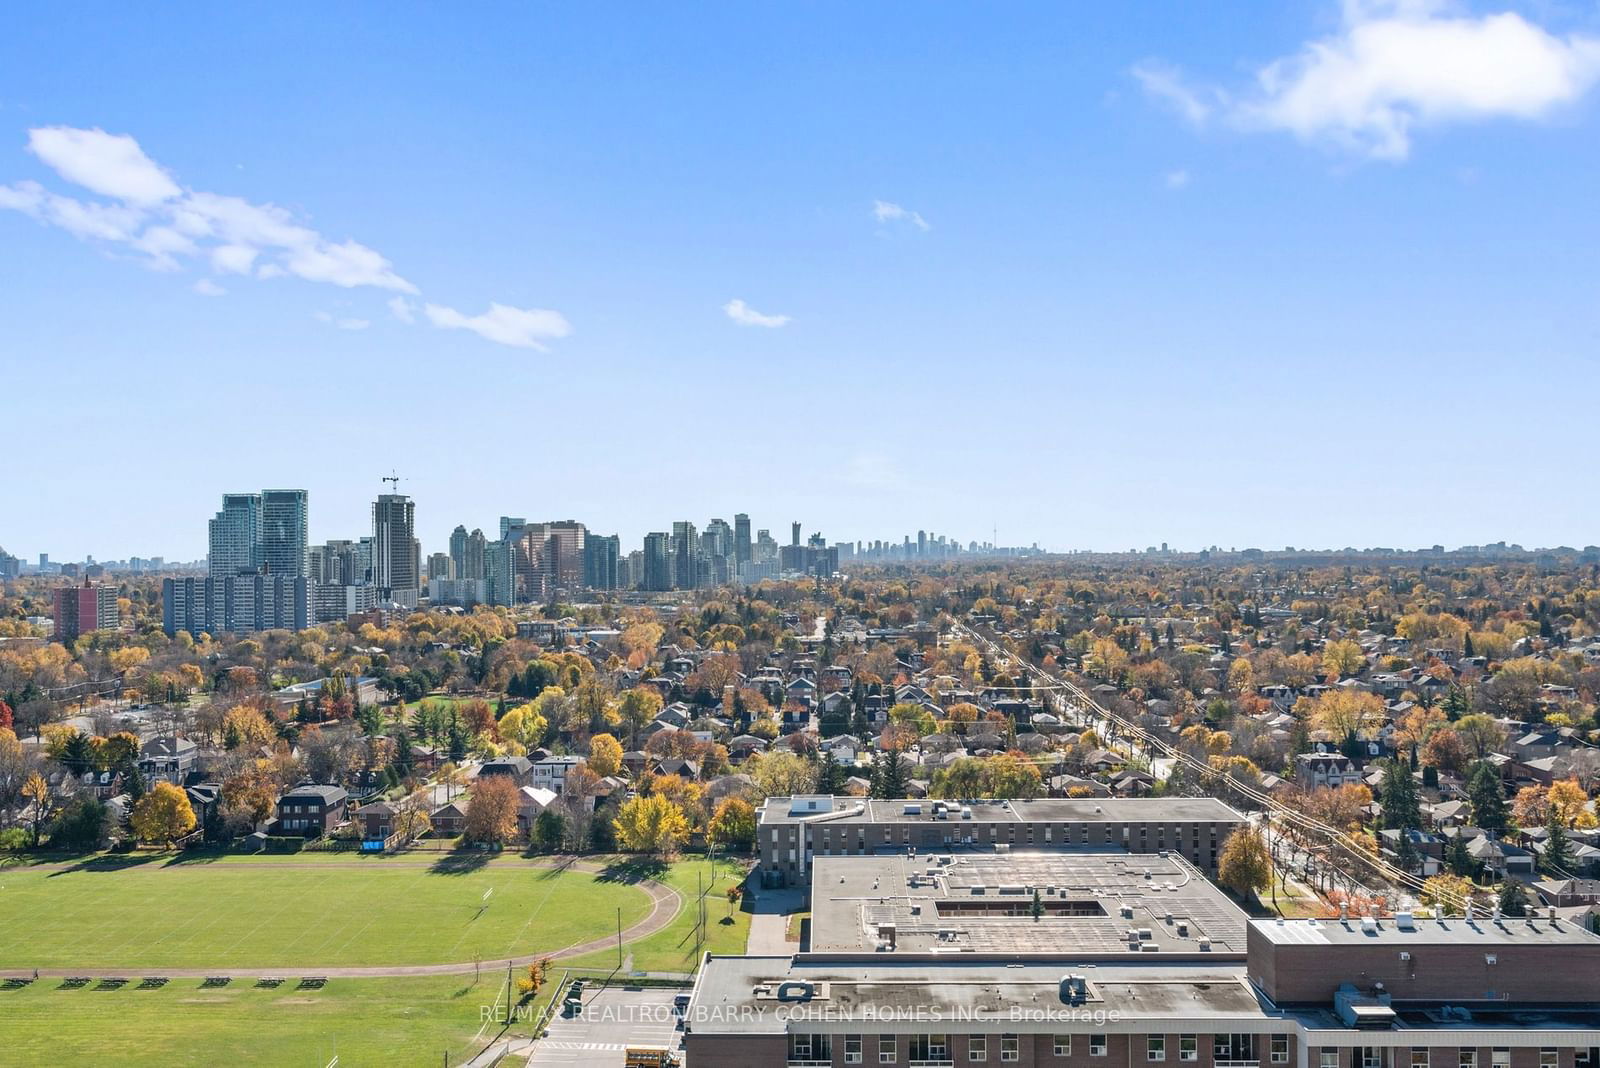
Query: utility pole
(619,938)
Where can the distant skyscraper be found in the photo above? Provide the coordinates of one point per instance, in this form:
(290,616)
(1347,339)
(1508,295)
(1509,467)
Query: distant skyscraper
(394,548)
(284,525)
(458,551)
(477,548)
(509,523)
(600,553)
(685,556)
(657,562)
(440,566)
(794,532)
(235,536)
(741,538)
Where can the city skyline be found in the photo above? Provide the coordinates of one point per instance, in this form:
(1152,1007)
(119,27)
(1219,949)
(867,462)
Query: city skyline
(1094,277)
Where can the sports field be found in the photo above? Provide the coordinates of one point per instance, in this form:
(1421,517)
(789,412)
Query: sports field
(674,947)
(319,911)
(400,1021)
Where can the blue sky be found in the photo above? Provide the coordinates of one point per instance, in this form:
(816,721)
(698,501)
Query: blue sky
(1244,274)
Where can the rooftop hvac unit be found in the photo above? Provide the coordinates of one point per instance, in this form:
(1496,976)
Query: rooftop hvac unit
(1183,930)
(1205,945)
(1404,922)
(1369,925)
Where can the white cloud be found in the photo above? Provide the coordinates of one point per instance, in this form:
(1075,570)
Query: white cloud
(885,211)
(1176,179)
(232,259)
(525,328)
(1396,66)
(112,165)
(207,288)
(152,215)
(400,308)
(148,213)
(343,323)
(744,315)
(1166,84)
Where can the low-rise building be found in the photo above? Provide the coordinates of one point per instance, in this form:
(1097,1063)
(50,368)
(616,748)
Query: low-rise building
(792,830)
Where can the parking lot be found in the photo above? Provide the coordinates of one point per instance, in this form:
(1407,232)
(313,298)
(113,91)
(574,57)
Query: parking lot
(612,1020)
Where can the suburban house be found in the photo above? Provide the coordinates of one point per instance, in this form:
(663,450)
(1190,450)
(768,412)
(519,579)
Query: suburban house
(1332,770)
(551,772)
(311,810)
(449,819)
(532,800)
(519,769)
(169,759)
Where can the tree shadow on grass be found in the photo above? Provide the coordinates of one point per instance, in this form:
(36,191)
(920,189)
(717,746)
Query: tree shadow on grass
(461,862)
(107,862)
(632,870)
(196,856)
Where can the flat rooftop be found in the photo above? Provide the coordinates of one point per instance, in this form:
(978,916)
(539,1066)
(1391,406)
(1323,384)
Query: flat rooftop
(1482,930)
(853,810)
(746,995)
(1094,902)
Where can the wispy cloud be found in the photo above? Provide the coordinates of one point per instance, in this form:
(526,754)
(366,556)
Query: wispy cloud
(888,212)
(145,213)
(1176,179)
(744,315)
(1394,67)
(1165,83)
(343,322)
(401,309)
(523,328)
(207,288)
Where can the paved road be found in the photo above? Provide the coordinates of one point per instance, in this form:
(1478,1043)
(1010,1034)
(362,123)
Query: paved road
(664,905)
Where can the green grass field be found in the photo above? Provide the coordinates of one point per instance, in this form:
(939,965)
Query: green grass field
(411,1021)
(301,911)
(672,949)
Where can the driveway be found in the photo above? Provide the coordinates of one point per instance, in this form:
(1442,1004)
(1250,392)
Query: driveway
(770,920)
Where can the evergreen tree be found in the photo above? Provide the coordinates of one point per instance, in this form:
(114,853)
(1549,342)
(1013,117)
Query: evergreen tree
(1488,798)
(132,782)
(1513,898)
(1557,857)
(830,776)
(888,775)
(1406,851)
(1459,860)
(1398,797)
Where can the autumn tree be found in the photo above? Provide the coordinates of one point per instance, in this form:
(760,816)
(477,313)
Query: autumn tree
(605,755)
(492,810)
(1343,712)
(638,707)
(1343,658)
(651,824)
(733,825)
(524,726)
(41,801)
(1245,866)
(162,815)
(1447,895)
